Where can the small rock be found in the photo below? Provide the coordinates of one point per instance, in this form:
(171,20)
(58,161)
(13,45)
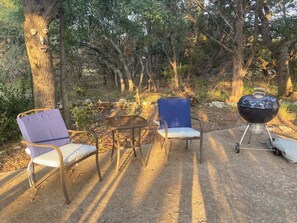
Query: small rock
(218,104)
(87,101)
(231,104)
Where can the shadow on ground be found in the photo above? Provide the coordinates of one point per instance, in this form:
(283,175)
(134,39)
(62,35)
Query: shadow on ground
(253,186)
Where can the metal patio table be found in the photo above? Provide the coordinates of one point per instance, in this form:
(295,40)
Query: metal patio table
(125,123)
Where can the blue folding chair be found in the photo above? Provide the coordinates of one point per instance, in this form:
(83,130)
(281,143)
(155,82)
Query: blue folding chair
(48,144)
(175,123)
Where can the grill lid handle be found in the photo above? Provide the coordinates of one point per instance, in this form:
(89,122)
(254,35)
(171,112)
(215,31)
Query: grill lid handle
(259,92)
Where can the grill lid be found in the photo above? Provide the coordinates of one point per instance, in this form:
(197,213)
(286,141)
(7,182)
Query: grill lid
(258,107)
(258,100)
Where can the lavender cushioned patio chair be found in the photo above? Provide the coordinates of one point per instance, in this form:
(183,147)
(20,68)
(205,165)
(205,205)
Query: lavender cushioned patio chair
(48,144)
(175,123)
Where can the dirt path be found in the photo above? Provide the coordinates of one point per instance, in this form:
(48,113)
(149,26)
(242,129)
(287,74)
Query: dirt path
(253,186)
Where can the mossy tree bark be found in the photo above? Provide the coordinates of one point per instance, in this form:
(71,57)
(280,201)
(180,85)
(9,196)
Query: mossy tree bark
(38,16)
(63,89)
(281,54)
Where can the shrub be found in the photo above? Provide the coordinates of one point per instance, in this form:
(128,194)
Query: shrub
(83,116)
(287,111)
(12,102)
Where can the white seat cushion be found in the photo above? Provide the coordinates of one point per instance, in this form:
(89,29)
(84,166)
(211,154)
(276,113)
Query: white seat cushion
(71,152)
(180,133)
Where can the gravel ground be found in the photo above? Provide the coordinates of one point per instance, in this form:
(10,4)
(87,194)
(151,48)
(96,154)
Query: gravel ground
(252,186)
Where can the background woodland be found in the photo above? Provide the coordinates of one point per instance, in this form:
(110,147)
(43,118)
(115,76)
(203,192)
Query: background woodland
(55,52)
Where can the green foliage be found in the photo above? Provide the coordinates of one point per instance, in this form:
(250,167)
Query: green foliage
(13,58)
(83,116)
(292,108)
(80,91)
(288,111)
(12,102)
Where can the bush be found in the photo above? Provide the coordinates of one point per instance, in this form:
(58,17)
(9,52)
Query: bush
(83,116)
(12,102)
(287,111)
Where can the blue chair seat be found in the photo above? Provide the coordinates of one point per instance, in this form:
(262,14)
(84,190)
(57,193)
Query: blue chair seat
(175,120)
(183,132)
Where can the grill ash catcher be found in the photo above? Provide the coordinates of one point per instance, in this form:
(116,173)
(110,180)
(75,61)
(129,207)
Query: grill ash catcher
(257,109)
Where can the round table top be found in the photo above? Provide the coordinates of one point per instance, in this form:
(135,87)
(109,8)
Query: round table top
(125,122)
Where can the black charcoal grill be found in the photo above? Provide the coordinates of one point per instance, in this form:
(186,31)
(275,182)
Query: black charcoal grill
(257,109)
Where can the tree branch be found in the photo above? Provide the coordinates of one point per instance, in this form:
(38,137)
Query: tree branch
(225,20)
(217,41)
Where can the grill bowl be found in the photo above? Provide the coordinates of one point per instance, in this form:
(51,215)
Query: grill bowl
(258,108)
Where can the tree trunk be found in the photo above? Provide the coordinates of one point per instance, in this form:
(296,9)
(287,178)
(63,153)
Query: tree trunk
(116,80)
(285,87)
(141,74)
(280,50)
(63,68)
(38,16)
(150,49)
(238,69)
(122,81)
(175,73)
(237,80)
(122,60)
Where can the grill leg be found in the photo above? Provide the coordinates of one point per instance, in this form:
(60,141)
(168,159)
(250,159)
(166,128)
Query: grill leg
(245,131)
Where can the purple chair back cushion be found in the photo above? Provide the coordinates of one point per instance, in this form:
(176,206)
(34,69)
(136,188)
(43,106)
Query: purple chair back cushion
(175,111)
(45,127)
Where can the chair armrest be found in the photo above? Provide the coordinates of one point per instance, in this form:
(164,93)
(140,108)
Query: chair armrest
(157,123)
(89,132)
(32,111)
(56,148)
(166,126)
(200,123)
(75,132)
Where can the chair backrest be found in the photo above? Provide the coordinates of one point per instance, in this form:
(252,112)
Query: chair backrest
(175,111)
(46,127)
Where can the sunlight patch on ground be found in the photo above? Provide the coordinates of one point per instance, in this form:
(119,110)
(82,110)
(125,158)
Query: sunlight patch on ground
(109,185)
(218,148)
(142,185)
(198,206)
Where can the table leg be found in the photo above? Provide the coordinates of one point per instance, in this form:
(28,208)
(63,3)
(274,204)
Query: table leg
(140,151)
(112,145)
(119,152)
(133,142)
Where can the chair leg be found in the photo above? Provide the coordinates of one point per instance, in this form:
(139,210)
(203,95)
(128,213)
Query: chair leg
(62,177)
(31,174)
(98,166)
(186,144)
(202,152)
(167,150)
(162,143)
(112,146)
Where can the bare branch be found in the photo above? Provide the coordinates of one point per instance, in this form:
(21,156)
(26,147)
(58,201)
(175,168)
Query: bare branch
(225,20)
(217,41)
(255,36)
